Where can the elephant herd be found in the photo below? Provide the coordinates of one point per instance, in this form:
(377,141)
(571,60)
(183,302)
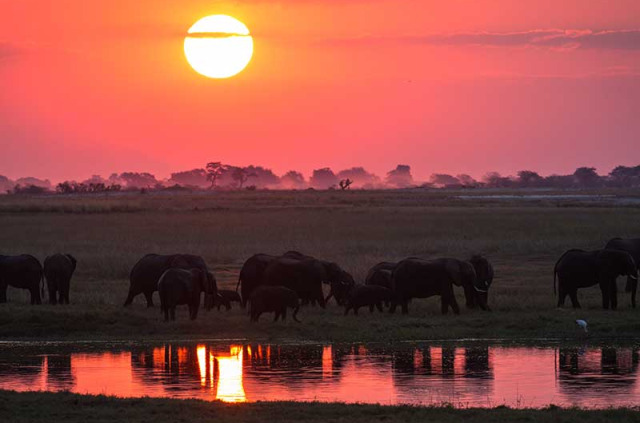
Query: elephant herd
(274,284)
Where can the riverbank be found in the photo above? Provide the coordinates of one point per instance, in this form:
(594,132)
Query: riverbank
(137,323)
(71,408)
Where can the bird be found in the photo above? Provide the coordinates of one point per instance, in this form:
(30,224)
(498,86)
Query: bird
(582,324)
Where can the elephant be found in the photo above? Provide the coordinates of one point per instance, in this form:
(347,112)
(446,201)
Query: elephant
(631,246)
(23,271)
(179,287)
(582,269)
(225,297)
(253,271)
(417,278)
(252,275)
(266,299)
(147,271)
(58,270)
(380,274)
(305,277)
(482,283)
(367,295)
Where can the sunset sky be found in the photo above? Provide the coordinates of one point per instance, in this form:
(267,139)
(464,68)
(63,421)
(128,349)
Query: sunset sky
(102,86)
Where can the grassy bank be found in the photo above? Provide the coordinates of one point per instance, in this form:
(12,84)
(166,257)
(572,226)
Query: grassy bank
(522,238)
(70,408)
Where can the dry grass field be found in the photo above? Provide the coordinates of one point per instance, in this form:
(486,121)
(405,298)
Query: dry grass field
(522,236)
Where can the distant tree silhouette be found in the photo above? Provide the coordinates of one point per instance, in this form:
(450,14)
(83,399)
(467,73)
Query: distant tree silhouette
(293,180)
(529,179)
(264,178)
(623,176)
(214,171)
(28,190)
(6,184)
(193,178)
(587,177)
(138,179)
(443,180)
(36,182)
(495,180)
(400,177)
(359,176)
(323,178)
(466,180)
(241,175)
(345,184)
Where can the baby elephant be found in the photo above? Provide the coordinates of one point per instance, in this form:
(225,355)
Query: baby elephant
(179,287)
(225,297)
(367,295)
(266,299)
(58,270)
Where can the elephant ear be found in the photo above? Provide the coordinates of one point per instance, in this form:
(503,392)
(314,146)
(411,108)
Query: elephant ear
(455,272)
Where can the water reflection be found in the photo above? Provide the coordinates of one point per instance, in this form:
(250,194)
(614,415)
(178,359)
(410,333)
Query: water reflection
(478,376)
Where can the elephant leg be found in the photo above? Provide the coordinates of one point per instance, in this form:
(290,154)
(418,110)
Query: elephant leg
(173,313)
(454,305)
(574,299)
(346,310)
(613,296)
(392,308)
(284,314)
(326,300)
(405,307)
(3,293)
(562,293)
(379,307)
(165,310)
(277,314)
(371,308)
(355,310)
(605,296)
(149,296)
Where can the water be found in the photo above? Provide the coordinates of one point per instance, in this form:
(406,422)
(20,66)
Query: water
(419,374)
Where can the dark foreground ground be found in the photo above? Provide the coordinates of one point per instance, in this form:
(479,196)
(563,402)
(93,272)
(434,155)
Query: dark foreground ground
(72,408)
(522,233)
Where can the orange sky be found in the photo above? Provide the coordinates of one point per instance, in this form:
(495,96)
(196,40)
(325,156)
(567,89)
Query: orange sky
(102,86)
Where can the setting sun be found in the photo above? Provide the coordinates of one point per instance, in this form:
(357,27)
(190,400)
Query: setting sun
(218,46)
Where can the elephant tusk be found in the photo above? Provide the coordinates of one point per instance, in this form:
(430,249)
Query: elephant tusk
(635,278)
(480,290)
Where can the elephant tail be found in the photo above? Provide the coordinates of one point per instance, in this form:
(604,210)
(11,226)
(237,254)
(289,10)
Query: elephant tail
(42,284)
(555,274)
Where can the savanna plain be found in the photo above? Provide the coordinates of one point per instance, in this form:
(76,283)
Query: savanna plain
(522,235)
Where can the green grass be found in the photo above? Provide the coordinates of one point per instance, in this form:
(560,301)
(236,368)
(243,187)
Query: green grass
(108,234)
(71,408)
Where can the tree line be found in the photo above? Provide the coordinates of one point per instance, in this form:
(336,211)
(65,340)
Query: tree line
(221,176)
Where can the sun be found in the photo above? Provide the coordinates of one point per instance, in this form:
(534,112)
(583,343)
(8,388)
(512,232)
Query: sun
(218,46)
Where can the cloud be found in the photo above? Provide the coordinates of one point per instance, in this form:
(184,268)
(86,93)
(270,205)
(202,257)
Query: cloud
(554,39)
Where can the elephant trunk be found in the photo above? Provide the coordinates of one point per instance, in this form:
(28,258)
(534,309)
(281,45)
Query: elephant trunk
(295,313)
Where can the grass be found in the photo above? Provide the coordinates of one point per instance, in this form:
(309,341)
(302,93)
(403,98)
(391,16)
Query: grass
(108,234)
(70,408)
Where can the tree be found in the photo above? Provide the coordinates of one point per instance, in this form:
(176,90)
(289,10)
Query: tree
(241,175)
(345,184)
(467,180)
(293,180)
(587,177)
(323,178)
(623,176)
(214,171)
(138,179)
(359,176)
(495,180)
(400,177)
(194,177)
(529,179)
(443,180)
